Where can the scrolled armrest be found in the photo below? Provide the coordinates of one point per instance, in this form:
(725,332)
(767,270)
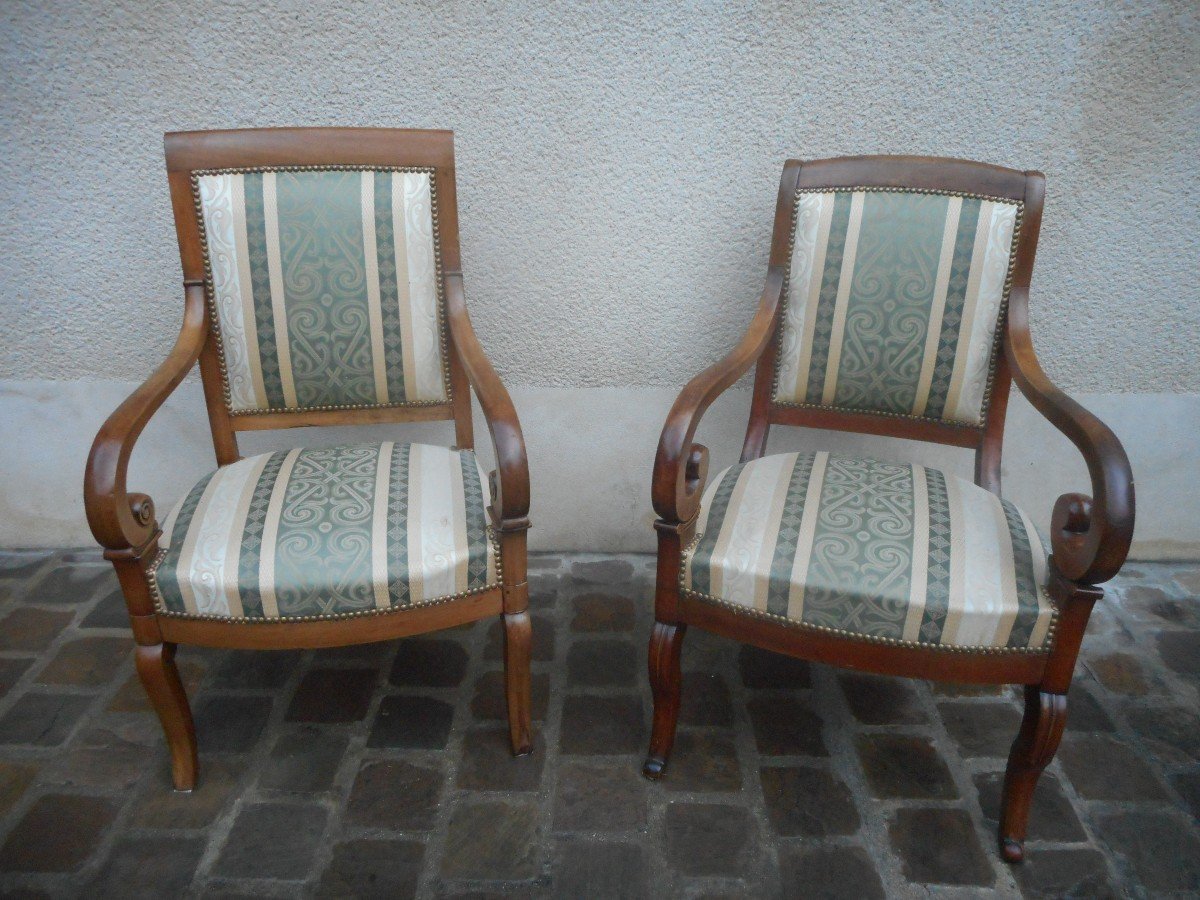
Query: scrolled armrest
(680,467)
(1090,536)
(510,493)
(119,519)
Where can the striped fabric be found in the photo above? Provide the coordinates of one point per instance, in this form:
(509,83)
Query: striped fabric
(898,553)
(893,302)
(344,530)
(325,286)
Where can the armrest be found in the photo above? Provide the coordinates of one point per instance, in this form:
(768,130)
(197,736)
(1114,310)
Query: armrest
(681,466)
(121,520)
(1089,536)
(510,500)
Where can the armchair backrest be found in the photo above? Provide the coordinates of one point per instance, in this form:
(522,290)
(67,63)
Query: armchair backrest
(898,273)
(323,255)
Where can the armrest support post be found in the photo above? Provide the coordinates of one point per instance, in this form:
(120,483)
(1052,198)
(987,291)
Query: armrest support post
(119,519)
(681,466)
(1090,536)
(510,482)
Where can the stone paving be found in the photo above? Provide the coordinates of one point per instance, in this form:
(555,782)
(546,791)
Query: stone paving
(382,770)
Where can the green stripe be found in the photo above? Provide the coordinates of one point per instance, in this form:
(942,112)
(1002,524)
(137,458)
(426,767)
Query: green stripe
(397,527)
(325,281)
(889,302)
(937,583)
(956,298)
(251,544)
(788,538)
(1027,588)
(323,546)
(702,557)
(389,288)
(860,569)
(835,249)
(166,576)
(476,520)
(260,289)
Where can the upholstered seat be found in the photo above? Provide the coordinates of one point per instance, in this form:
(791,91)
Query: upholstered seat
(871,550)
(327,533)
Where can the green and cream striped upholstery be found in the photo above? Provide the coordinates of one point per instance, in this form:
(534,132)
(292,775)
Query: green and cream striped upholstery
(304,533)
(893,302)
(325,286)
(872,550)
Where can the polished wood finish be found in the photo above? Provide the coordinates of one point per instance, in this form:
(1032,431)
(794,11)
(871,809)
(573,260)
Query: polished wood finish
(1090,536)
(125,524)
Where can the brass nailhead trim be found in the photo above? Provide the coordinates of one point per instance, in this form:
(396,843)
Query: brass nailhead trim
(160,606)
(1001,316)
(1045,648)
(210,293)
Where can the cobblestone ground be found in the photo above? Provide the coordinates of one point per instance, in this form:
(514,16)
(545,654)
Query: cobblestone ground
(382,770)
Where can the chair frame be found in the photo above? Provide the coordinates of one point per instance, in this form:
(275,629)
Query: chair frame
(124,522)
(1090,536)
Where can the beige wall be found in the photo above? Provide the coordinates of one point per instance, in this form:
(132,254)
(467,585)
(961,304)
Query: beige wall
(617,171)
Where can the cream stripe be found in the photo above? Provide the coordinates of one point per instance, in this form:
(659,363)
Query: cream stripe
(981,604)
(933,334)
(374,306)
(959,552)
(845,281)
(237,526)
(918,583)
(750,529)
(808,530)
(458,514)
(978,341)
(379,527)
(728,527)
(416,514)
(403,289)
(1007,613)
(246,291)
(278,298)
(766,552)
(266,560)
(187,555)
(805,295)
(970,305)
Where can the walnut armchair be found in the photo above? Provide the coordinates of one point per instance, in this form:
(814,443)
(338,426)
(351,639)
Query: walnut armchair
(896,304)
(322,286)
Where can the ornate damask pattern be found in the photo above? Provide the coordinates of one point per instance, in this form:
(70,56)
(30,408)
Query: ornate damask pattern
(860,565)
(871,550)
(893,300)
(325,286)
(319,533)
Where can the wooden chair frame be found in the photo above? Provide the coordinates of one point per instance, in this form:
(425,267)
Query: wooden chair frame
(124,522)
(1090,537)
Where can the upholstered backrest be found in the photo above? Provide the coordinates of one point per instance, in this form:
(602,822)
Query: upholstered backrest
(325,286)
(893,300)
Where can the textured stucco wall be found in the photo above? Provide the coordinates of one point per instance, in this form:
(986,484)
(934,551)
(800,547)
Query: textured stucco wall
(617,167)
(617,162)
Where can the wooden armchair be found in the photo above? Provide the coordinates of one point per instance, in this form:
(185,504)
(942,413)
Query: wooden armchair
(896,304)
(323,286)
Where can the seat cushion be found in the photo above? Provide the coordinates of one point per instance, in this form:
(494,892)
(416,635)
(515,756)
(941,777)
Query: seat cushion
(871,550)
(325,533)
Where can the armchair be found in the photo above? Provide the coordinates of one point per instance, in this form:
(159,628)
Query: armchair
(896,304)
(322,286)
